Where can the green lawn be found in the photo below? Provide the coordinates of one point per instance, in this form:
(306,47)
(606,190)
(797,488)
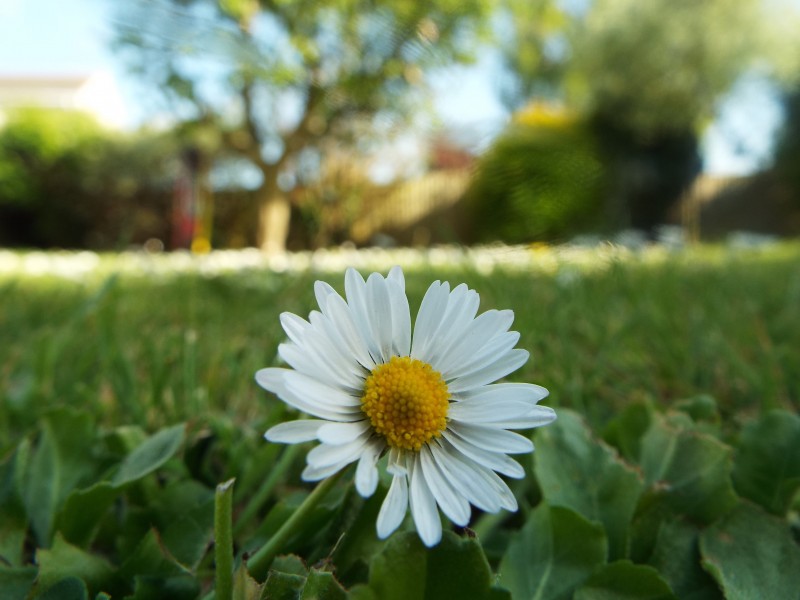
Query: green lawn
(675,374)
(603,329)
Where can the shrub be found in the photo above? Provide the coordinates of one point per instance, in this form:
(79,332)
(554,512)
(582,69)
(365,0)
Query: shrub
(542,180)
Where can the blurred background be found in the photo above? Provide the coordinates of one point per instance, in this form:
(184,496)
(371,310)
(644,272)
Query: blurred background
(302,124)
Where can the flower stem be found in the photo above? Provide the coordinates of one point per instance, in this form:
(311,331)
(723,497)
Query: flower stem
(223,540)
(259,563)
(263,493)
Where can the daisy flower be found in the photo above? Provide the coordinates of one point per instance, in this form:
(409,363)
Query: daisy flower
(426,399)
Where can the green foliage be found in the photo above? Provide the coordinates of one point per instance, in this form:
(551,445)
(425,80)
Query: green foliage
(752,555)
(537,182)
(66,182)
(552,554)
(115,495)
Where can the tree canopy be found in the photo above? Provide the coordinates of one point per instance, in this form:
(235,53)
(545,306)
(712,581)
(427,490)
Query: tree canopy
(278,79)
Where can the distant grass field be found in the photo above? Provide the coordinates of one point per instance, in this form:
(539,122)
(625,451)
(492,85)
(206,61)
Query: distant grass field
(604,328)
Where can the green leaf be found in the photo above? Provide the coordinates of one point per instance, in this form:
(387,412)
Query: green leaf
(322,584)
(283,586)
(61,460)
(81,514)
(69,588)
(623,580)
(625,431)
(188,536)
(177,587)
(582,473)
(553,554)
(752,555)
(767,467)
(65,560)
(687,470)
(244,586)
(151,558)
(150,455)
(407,570)
(702,409)
(13,521)
(16,582)
(676,556)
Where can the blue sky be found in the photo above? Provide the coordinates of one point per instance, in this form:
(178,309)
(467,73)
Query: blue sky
(60,37)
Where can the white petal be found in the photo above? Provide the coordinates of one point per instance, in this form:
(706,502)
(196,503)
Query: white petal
(462,305)
(429,318)
(349,333)
(336,434)
(540,415)
(494,350)
(423,507)
(493,439)
(479,331)
(465,478)
(491,460)
(356,292)
(315,390)
(325,454)
(294,326)
(307,361)
(396,276)
(366,471)
(397,463)
(522,392)
(272,379)
(401,316)
(452,504)
(483,477)
(321,291)
(393,509)
(469,411)
(379,312)
(294,432)
(508,364)
(311,473)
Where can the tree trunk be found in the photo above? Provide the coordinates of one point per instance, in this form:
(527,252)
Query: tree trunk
(274,214)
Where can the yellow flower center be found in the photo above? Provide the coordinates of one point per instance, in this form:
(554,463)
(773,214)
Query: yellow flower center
(406,401)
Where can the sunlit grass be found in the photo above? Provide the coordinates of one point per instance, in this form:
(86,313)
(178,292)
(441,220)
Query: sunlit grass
(158,339)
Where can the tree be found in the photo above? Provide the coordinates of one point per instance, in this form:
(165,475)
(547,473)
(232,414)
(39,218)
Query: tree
(279,78)
(647,75)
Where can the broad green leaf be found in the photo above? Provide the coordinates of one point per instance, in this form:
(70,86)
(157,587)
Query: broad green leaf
(81,514)
(65,560)
(689,471)
(16,582)
(13,522)
(767,466)
(291,564)
(69,588)
(61,460)
(552,555)
(624,432)
(322,584)
(187,537)
(176,587)
(752,555)
(702,409)
(151,558)
(407,570)
(623,580)
(584,474)
(677,557)
(244,586)
(283,586)
(150,455)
